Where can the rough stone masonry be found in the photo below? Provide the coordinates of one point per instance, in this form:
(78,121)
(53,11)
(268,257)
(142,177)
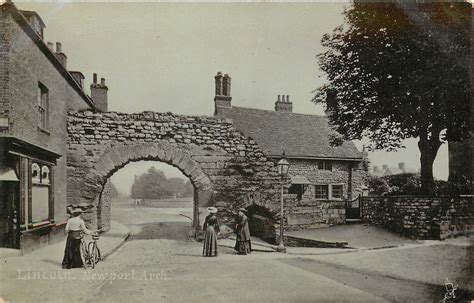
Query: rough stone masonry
(227,169)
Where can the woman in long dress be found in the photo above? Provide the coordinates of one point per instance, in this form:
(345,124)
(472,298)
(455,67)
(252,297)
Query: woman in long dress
(243,245)
(75,228)
(211,226)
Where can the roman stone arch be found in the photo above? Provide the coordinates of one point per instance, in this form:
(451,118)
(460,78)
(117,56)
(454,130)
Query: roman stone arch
(228,170)
(118,156)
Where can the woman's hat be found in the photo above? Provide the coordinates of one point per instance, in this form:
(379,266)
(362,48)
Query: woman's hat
(242,209)
(212,210)
(77,210)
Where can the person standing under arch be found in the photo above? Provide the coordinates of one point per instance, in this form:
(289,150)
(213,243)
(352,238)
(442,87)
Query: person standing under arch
(211,227)
(243,245)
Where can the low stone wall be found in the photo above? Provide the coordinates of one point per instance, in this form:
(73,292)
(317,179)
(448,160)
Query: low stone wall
(421,217)
(313,213)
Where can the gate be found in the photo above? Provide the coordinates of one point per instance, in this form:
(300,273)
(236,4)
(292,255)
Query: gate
(353,209)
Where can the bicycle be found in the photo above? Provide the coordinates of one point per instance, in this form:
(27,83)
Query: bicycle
(90,252)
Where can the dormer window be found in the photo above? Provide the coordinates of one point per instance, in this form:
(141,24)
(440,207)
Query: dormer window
(325,165)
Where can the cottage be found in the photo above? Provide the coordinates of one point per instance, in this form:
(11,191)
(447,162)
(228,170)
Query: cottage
(36,91)
(323,176)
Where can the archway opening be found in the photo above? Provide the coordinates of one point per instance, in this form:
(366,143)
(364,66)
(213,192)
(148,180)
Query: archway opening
(152,198)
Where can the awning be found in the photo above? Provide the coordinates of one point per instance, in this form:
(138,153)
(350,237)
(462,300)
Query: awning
(299,180)
(8,174)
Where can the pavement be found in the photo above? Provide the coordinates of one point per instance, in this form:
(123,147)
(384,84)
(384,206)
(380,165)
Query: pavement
(44,265)
(356,235)
(380,267)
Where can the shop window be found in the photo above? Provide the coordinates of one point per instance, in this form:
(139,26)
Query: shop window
(321,191)
(337,191)
(40,192)
(35,173)
(45,175)
(43,106)
(325,165)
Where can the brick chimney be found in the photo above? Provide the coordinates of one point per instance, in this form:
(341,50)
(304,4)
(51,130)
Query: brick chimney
(222,98)
(283,104)
(60,55)
(79,77)
(99,93)
(401,166)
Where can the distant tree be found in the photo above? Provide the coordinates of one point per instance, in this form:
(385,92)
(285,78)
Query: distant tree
(175,186)
(399,71)
(154,185)
(113,191)
(188,189)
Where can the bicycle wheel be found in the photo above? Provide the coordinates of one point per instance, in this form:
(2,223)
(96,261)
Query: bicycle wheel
(94,253)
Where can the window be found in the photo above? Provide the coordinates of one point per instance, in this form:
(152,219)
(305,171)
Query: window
(297,189)
(337,191)
(40,192)
(321,191)
(325,165)
(43,106)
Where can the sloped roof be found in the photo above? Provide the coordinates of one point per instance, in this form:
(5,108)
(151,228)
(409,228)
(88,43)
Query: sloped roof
(299,135)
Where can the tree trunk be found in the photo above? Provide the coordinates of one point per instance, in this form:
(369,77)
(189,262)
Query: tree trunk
(428,150)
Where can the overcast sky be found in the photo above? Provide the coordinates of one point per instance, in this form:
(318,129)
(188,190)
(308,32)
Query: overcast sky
(163,57)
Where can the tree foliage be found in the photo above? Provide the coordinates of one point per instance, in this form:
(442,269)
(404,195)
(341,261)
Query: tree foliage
(410,184)
(396,72)
(154,185)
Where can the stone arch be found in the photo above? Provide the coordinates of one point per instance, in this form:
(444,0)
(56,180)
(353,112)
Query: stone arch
(118,156)
(226,167)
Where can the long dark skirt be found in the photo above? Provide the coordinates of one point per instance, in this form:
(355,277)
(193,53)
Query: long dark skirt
(72,253)
(210,242)
(243,247)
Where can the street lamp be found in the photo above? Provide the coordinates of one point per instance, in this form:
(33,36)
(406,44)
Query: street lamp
(282,166)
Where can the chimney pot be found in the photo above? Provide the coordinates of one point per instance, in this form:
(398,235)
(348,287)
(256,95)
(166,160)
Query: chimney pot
(102,81)
(279,99)
(94,78)
(288,98)
(384,167)
(401,166)
(222,98)
(376,169)
(58,47)
(51,46)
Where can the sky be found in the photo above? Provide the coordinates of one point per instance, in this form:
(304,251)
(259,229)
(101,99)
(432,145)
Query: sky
(163,57)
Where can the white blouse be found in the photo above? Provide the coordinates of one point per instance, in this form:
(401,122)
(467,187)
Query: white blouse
(75,224)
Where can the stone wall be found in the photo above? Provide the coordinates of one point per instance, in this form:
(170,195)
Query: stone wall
(421,217)
(227,169)
(103,207)
(313,213)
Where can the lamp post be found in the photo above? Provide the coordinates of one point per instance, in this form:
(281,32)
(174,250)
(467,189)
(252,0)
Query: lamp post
(282,166)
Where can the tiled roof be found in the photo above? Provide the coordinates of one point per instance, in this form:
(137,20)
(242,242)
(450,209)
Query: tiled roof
(299,135)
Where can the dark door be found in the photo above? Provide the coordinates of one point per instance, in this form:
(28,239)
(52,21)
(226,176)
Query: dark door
(353,209)
(9,209)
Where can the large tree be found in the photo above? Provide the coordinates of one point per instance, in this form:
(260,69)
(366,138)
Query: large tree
(398,71)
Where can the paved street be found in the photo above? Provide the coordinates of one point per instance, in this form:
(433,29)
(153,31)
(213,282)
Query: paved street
(161,263)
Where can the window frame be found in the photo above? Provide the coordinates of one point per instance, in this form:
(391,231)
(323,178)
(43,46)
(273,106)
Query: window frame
(342,191)
(325,165)
(43,106)
(39,182)
(316,191)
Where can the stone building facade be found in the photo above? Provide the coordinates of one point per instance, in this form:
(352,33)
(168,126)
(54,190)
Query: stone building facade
(323,177)
(36,91)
